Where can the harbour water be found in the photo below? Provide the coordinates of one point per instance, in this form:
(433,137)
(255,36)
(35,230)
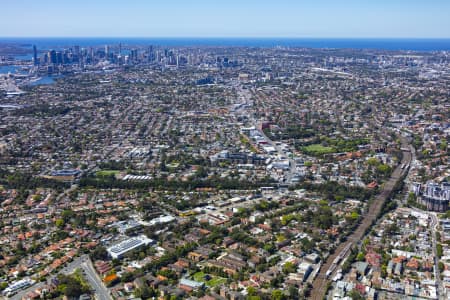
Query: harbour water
(10,69)
(339,43)
(44,80)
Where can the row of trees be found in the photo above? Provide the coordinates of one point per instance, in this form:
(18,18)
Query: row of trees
(21,180)
(43,110)
(108,182)
(333,191)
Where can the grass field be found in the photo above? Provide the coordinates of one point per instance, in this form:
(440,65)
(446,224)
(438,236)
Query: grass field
(214,281)
(318,149)
(106,173)
(199,276)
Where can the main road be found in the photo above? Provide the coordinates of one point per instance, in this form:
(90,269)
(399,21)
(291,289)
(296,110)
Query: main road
(101,292)
(321,281)
(245,97)
(292,166)
(83,262)
(441,292)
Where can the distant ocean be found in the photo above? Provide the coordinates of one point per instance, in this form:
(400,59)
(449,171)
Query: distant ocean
(334,43)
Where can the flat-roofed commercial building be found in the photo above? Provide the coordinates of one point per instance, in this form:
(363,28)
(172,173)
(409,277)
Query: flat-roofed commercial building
(118,250)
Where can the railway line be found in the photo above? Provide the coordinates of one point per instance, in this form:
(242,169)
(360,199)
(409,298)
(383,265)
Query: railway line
(329,267)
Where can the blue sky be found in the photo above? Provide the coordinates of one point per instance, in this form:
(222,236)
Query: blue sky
(231,18)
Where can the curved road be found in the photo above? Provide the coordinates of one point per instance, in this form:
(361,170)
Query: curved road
(321,280)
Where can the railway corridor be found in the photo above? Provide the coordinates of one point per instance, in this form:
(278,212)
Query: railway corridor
(329,267)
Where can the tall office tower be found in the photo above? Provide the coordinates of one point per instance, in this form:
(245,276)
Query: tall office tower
(52,56)
(134,55)
(92,55)
(77,50)
(35,58)
(106,51)
(120,48)
(76,56)
(59,58)
(44,59)
(66,57)
(150,55)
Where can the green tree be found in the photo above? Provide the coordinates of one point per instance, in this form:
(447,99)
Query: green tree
(355,295)
(59,223)
(277,295)
(145,292)
(67,214)
(439,250)
(373,162)
(99,253)
(127,277)
(384,169)
(360,256)
(71,286)
(288,268)
(251,291)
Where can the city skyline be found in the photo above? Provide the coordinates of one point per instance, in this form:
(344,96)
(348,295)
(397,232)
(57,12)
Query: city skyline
(321,19)
(247,150)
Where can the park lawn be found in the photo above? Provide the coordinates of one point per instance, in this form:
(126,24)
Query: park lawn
(199,276)
(214,281)
(106,172)
(318,149)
